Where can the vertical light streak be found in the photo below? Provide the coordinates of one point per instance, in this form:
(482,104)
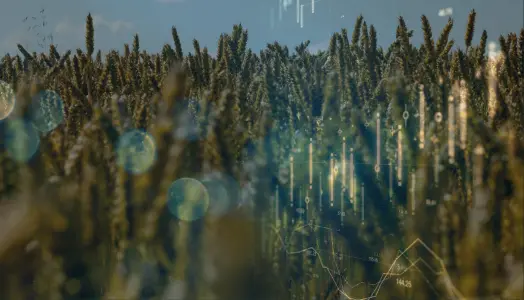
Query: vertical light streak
(463,114)
(344,162)
(310,163)
(436,169)
(492,88)
(390,181)
(451,129)
(331,179)
(312,6)
(422,116)
(307,200)
(413,184)
(320,191)
(291,175)
(377,166)
(343,190)
(362,203)
(332,240)
(298,11)
(302,16)
(280,4)
(341,203)
(405,115)
(277,203)
(351,176)
(399,155)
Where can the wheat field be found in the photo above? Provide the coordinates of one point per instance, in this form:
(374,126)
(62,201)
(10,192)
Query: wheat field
(136,175)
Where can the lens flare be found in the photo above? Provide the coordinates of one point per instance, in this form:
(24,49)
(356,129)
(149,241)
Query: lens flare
(185,118)
(223,193)
(47,111)
(21,140)
(188,199)
(136,151)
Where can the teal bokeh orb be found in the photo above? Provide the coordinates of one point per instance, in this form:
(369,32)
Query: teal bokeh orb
(136,151)
(47,111)
(223,193)
(188,199)
(21,140)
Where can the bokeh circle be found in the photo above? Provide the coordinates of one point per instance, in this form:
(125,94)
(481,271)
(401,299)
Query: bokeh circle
(185,117)
(136,151)
(188,199)
(47,111)
(223,193)
(21,140)
(7,100)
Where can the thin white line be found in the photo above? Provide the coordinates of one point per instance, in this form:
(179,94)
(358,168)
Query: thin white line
(385,276)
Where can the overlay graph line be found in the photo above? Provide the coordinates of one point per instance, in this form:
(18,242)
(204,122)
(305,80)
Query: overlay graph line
(453,291)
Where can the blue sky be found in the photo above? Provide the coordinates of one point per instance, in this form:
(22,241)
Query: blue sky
(117,20)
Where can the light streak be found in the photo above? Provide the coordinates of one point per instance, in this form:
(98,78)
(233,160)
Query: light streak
(342,191)
(436,168)
(362,203)
(344,162)
(351,176)
(413,184)
(463,115)
(331,179)
(307,200)
(422,115)
(310,163)
(298,11)
(320,192)
(390,181)
(277,202)
(280,4)
(291,175)
(301,16)
(451,129)
(377,166)
(492,86)
(399,155)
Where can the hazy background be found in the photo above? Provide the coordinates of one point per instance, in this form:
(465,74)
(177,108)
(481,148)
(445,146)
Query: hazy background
(117,20)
